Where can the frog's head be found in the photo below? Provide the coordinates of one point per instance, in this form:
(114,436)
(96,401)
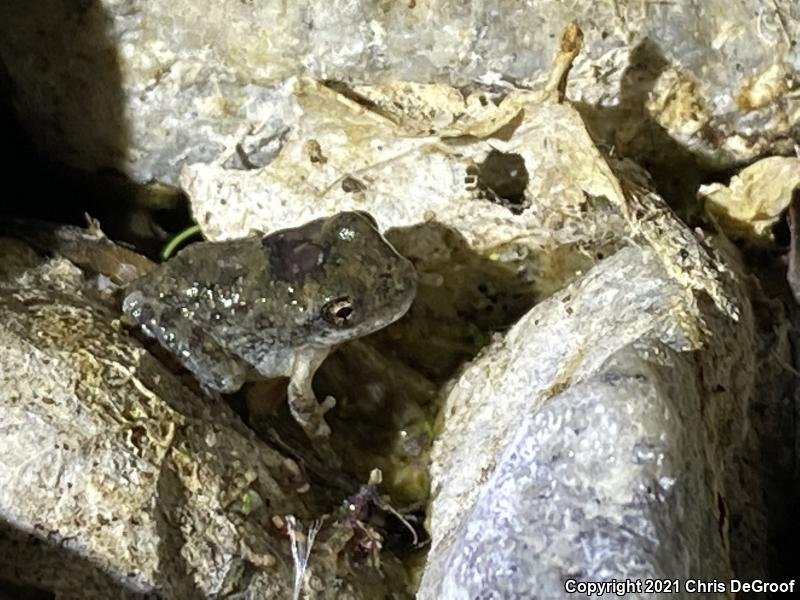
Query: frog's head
(354,281)
(368,284)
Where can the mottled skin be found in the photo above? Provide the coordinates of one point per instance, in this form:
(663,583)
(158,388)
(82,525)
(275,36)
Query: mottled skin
(275,306)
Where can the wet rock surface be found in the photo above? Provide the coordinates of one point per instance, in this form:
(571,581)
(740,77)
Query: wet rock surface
(606,470)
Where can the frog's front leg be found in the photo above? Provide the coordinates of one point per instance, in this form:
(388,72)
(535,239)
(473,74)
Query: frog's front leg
(303,404)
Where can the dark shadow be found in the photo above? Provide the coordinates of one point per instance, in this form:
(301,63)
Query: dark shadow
(462,298)
(63,134)
(777,426)
(630,131)
(33,567)
(502,178)
(61,102)
(9,591)
(763,491)
(171,498)
(63,145)
(763,502)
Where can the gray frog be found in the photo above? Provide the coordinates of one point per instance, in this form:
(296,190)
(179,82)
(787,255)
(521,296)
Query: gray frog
(276,305)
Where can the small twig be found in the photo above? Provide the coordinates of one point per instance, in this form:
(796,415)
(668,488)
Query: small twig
(389,508)
(571,42)
(370,491)
(301,549)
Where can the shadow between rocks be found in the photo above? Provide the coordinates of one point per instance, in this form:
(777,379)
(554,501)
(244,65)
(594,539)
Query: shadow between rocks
(33,567)
(63,132)
(629,129)
(61,102)
(462,298)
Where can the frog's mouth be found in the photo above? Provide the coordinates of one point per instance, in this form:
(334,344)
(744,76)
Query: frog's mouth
(391,314)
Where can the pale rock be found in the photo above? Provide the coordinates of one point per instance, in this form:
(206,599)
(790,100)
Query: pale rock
(363,160)
(750,205)
(146,87)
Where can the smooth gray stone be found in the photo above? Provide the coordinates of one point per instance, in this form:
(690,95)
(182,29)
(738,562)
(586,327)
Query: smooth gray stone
(145,87)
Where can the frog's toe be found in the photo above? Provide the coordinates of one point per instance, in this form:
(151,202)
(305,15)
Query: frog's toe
(327,404)
(310,415)
(320,427)
(323,430)
(315,427)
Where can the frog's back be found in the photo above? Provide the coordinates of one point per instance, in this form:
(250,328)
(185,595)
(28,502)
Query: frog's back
(206,283)
(203,277)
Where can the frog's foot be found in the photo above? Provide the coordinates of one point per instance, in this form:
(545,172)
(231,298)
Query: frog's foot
(305,409)
(309,413)
(303,404)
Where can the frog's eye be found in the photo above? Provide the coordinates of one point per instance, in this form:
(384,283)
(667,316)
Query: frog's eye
(338,312)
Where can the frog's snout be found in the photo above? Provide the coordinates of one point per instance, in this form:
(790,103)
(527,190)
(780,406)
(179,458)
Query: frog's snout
(410,279)
(405,286)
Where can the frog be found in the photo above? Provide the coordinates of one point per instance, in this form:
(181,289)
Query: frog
(275,305)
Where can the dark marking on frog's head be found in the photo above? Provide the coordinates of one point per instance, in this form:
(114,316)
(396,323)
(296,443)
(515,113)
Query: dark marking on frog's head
(296,253)
(341,275)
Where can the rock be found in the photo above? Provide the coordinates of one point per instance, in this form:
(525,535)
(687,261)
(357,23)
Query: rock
(145,88)
(118,480)
(618,425)
(755,199)
(370,164)
(605,474)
